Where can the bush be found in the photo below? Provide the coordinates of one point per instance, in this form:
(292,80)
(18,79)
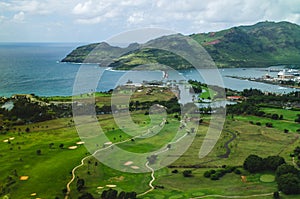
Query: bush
(212,171)
(269,124)
(289,183)
(229,169)
(276,195)
(207,174)
(175,171)
(253,163)
(285,169)
(187,173)
(237,171)
(214,177)
(275,116)
(273,162)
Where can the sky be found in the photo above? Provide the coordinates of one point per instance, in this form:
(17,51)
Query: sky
(98,20)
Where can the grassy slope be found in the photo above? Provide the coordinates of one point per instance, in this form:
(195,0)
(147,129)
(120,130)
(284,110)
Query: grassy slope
(263,44)
(55,164)
(259,45)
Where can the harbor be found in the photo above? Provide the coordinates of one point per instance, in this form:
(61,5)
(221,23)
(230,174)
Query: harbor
(289,78)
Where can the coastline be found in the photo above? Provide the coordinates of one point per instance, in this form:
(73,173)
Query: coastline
(263,81)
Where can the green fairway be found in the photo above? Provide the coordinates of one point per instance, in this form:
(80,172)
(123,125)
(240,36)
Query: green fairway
(288,115)
(281,125)
(207,93)
(55,163)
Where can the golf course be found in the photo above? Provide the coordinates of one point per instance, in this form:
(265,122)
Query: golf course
(49,159)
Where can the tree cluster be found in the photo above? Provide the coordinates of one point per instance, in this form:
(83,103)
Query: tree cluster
(287,176)
(254,163)
(217,174)
(113,194)
(288,179)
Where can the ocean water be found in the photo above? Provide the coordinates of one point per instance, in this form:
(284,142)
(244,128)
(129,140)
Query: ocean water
(35,68)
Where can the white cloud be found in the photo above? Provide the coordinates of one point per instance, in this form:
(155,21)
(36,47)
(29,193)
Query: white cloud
(19,17)
(184,15)
(114,16)
(89,21)
(135,18)
(83,8)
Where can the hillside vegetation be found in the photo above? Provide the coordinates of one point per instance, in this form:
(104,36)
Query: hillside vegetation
(260,45)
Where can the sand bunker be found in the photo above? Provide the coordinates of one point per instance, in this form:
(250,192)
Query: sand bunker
(78,143)
(100,187)
(12,138)
(23,178)
(72,147)
(111,185)
(5,140)
(33,194)
(128,163)
(107,143)
(135,167)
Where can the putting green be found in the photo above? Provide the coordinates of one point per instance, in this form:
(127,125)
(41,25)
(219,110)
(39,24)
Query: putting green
(267,178)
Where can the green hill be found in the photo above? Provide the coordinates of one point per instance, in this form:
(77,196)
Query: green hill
(263,44)
(260,45)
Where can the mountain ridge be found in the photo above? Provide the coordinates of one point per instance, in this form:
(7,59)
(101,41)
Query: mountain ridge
(260,45)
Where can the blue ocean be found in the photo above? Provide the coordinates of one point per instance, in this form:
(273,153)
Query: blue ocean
(27,68)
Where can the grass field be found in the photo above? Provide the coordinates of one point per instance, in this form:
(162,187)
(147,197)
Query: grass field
(207,93)
(288,115)
(287,123)
(55,164)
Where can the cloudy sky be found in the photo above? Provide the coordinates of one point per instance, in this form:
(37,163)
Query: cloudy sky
(96,20)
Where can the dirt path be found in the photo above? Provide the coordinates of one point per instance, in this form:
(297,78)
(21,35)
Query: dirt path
(150,183)
(82,163)
(226,145)
(147,163)
(152,170)
(99,150)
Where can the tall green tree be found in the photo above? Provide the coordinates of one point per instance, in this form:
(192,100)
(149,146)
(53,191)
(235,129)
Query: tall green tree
(253,163)
(289,183)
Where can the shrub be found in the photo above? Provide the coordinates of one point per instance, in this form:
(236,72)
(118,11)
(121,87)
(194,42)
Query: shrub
(269,124)
(289,183)
(187,173)
(276,195)
(253,163)
(284,169)
(214,177)
(237,171)
(207,174)
(175,171)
